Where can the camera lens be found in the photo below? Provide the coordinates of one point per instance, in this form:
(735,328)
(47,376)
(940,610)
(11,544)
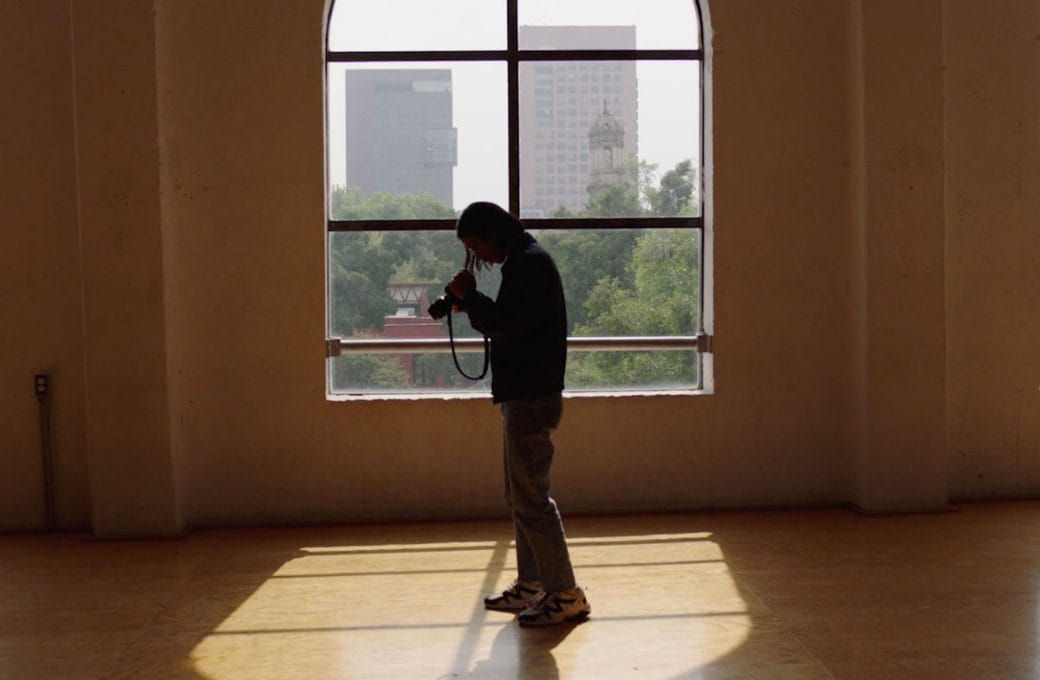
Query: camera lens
(440,307)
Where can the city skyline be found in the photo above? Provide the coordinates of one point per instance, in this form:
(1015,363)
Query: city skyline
(400,136)
(559,101)
(668,92)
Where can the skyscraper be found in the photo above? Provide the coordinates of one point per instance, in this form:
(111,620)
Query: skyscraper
(399,132)
(559,102)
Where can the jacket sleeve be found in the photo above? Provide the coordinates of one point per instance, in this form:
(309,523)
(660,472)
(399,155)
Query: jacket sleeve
(522,304)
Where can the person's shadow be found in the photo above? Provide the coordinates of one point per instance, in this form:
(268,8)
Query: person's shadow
(523,653)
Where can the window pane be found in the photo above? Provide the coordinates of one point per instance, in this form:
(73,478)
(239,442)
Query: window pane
(381,283)
(380,286)
(583,24)
(628,282)
(662,370)
(415,140)
(625,282)
(621,282)
(391,25)
(409,373)
(609,138)
(586,371)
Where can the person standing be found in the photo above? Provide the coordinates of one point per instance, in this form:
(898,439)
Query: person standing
(527,326)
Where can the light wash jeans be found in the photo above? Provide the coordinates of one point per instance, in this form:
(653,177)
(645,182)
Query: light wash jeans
(541,547)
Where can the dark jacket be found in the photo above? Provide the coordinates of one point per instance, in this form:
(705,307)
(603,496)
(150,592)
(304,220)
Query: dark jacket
(527,324)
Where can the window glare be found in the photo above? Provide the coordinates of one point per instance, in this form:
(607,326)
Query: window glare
(387,25)
(434,128)
(659,24)
(587,129)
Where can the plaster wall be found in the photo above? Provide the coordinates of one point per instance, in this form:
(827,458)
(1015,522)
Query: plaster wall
(898,257)
(993,248)
(40,277)
(214,412)
(242,131)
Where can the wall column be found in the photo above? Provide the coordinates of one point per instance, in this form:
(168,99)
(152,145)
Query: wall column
(128,434)
(898,221)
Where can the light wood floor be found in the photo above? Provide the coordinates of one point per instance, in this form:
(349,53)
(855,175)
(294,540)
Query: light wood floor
(727,595)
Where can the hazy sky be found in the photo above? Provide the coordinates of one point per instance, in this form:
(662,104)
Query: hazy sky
(667,91)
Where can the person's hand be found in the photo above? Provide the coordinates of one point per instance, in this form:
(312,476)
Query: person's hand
(462,283)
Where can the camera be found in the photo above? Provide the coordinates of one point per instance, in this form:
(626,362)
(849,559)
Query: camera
(440,307)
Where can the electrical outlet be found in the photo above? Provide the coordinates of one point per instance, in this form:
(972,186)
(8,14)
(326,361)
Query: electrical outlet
(40,384)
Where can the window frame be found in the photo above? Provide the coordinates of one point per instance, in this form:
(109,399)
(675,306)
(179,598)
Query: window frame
(513,57)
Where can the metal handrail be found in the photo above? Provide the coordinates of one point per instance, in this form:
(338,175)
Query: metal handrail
(335,347)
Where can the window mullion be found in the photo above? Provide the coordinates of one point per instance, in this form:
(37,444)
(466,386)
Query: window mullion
(411,55)
(513,95)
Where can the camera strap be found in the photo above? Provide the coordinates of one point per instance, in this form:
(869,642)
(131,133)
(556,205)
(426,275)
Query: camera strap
(455,358)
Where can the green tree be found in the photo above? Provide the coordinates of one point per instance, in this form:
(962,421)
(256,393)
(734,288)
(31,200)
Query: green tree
(362,265)
(675,195)
(347,204)
(662,300)
(638,283)
(367,372)
(359,269)
(586,257)
(617,281)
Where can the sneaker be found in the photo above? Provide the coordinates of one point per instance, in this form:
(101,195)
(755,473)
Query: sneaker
(556,608)
(515,598)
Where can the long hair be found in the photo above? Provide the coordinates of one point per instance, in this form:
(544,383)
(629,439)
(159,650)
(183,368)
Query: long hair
(488,221)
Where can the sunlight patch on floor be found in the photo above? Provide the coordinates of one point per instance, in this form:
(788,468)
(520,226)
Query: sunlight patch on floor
(663,604)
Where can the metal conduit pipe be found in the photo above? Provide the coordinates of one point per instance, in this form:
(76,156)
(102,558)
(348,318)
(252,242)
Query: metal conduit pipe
(338,346)
(40,389)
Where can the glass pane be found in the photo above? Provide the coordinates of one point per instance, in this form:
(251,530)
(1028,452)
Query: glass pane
(382,283)
(609,138)
(608,24)
(625,282)
(586,371)
(409,373)
(380,286)
(391,25)
(628,282)
(415,140)
(661,370)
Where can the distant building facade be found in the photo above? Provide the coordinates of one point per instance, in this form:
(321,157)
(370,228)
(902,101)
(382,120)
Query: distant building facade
(411,321)
(606,152)
(560,102)
(400,136)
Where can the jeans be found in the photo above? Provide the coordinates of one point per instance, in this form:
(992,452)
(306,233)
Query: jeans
(541,547)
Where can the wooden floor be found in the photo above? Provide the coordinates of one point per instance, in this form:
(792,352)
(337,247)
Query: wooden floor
(755,595)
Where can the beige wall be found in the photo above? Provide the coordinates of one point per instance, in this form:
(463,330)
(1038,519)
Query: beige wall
(993,247)
(874,277)
(40,296)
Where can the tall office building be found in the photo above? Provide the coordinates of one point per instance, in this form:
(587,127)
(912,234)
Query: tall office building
(399,134)
(560,102)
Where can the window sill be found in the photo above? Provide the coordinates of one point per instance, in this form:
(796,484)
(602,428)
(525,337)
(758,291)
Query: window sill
(447,396)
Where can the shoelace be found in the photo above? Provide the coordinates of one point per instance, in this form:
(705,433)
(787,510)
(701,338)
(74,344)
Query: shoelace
(516,592)
(553,603)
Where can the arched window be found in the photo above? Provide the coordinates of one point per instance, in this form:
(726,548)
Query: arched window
(584,118)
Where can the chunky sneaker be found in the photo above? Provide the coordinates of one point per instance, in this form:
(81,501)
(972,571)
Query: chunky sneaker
(515,598)
(571,605)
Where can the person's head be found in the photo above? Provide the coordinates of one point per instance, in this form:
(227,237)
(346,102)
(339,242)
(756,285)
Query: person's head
(487,231)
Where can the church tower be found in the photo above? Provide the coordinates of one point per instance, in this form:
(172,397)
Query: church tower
(606,152)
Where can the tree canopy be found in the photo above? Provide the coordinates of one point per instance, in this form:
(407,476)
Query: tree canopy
(618,282)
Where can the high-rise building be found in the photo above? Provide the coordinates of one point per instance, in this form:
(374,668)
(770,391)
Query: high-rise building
(559,102)
(400,136)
